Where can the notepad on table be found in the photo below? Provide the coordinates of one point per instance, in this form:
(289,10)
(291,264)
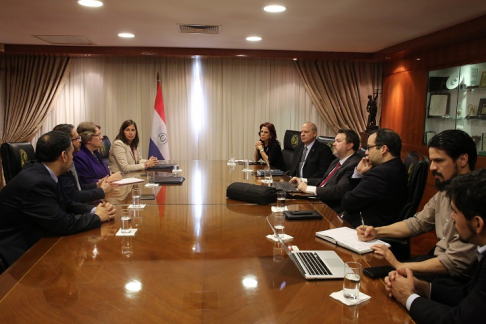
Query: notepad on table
(127,181)
(348,238)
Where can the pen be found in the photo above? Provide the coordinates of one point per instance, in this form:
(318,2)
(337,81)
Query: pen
(362,221)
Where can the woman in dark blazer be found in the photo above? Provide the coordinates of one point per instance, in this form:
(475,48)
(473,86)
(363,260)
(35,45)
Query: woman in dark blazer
(268,148)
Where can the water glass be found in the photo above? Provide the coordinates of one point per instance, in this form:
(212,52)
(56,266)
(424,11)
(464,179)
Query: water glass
(136,197)
(232,159)
(268,175)
(279,223)
(175,170)
(281,195)
(151,177)
(247,165)
(126,221)
(352,277)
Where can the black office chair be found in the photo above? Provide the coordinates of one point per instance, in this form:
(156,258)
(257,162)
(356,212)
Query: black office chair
(362,152)
(105,149)
(291,140)
(14,157)
(328,140)
(417,167)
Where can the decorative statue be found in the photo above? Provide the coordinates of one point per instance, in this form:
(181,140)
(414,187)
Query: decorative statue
(372,109)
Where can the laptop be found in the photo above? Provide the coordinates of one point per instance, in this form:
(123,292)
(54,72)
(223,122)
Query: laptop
(286,186)
(314,265)
(164,178)
(162,166)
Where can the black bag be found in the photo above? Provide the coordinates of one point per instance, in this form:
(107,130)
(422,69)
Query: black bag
(251,193)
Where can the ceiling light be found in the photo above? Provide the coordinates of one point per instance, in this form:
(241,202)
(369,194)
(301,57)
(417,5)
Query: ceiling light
(274,8)
(90,3)
(254,39)
(126,35)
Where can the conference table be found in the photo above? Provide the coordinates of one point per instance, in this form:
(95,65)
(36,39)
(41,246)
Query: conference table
(197,257)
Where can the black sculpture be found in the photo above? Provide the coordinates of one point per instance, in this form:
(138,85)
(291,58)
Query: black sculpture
(372,109)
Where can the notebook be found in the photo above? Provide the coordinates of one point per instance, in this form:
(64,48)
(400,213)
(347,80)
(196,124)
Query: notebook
(314,264)
(348,238)
(168,179)
(162,166)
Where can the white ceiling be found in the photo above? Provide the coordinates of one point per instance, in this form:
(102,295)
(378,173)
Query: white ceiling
(307,25)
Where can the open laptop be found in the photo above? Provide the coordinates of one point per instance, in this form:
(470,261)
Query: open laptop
(286,186)
(314,264)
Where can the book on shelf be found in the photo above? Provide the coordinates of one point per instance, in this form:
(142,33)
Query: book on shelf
(348,238)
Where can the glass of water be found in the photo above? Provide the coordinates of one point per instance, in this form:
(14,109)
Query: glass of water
(126,221)
(281,195)
(279,223)
(136,197)
(151,177)
(352,277)
(232,159)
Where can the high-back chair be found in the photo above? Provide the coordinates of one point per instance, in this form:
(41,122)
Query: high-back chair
(417,167)
(328,140)
(14,157)
(291,140)
(105,149)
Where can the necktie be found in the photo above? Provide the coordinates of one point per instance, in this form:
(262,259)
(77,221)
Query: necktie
(75,174)
(302,161)
(329,176)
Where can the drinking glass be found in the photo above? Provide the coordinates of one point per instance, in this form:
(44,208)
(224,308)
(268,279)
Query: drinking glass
(151,177)
(126,221)
(281,195)
(175,170)
(352,277)
(232,159)
(136,197)
(279,223)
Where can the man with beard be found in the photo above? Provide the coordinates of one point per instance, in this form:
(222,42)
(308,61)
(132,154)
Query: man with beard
(451,153)
(445,300)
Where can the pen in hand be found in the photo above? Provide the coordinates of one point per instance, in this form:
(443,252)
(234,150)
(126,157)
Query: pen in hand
(362,222)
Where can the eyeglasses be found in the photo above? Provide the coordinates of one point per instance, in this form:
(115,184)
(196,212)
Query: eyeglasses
(98,135)
(76,138)
(369,147)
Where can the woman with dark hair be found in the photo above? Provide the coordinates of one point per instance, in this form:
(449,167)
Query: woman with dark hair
(124,155)
(268,148)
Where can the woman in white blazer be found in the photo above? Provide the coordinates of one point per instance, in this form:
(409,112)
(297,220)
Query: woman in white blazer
(124,155)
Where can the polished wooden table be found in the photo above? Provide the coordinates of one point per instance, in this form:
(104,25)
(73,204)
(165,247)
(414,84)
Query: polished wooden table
(187,263)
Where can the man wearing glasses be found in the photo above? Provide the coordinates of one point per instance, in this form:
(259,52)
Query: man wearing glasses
(83,193)
(379,183)
(451,153)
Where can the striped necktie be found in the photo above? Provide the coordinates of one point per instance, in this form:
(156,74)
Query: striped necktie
(329,176)
(75,174)
(302,161)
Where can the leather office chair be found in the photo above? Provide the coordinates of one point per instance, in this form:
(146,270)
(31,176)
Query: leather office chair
(291,140)
(328,140)
(105,149)
(362,152)
(14,157)
(417,167)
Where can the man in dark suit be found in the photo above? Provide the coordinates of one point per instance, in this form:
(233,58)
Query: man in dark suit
(83,193)
(335,182)
(32,205)
(379,182)
(445,300)
(311,157)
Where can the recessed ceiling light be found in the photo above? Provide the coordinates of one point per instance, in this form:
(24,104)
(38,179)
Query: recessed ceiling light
(90,3)
(126,35)
(254,39)
(274,8)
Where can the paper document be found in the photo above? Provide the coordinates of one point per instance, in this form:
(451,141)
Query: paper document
(348,238)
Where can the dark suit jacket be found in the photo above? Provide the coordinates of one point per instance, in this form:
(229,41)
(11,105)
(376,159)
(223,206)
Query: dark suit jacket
(379,195)
(89,192)
(33,206)
(453,303)
(338,185)
(275,156)
(318,160)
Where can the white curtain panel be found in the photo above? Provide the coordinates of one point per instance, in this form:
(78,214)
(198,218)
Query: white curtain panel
(213,106)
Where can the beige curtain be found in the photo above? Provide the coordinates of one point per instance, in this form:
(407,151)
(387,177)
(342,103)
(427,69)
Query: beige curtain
(30,84)
(339,90)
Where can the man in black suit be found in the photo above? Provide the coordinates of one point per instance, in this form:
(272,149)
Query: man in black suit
(335,183)
(83,193)
(446,301)
(32,205)
(379,182)
(311,157)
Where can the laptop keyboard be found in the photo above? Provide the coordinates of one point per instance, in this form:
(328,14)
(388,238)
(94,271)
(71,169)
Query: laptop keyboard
(314,264)
(285,186)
